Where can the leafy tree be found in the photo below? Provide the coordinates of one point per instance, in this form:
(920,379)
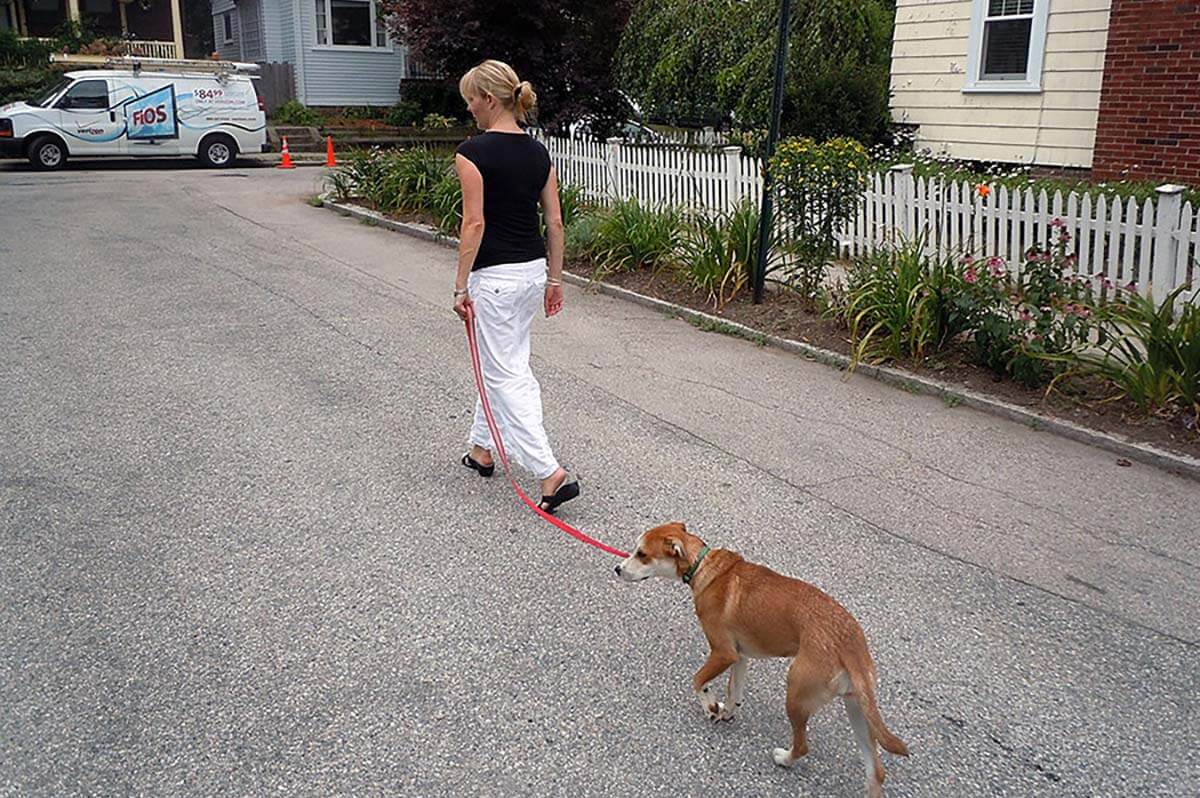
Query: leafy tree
(711,61)
(564,48)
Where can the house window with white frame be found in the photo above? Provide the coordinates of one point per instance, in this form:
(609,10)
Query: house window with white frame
(1006,31)
(1007,45)
(350,23)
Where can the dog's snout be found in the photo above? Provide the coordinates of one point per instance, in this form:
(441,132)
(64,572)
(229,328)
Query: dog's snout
(617,570)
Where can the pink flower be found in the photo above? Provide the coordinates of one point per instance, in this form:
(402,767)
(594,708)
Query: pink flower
(996,266)
(1058,222)
(966,260)
(1025,315)
(970,276)
(1069,308)
(1083,312)
(1131,286)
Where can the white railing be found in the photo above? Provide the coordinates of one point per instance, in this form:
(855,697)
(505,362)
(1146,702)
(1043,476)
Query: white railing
(152,49)
(1155,244)
(146,48)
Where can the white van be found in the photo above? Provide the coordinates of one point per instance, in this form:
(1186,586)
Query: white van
(139,108)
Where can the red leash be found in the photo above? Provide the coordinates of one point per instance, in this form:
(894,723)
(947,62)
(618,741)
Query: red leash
(491,422)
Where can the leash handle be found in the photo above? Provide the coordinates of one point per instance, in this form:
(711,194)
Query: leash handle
(473,345)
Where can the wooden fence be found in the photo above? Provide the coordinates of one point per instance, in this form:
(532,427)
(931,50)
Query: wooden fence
(276,84)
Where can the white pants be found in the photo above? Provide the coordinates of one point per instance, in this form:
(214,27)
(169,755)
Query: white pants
(506,298)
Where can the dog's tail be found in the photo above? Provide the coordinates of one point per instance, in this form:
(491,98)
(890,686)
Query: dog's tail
(862,679)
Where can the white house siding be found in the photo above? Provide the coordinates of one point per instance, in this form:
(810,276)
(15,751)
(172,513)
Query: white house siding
(250,18)
(270,11)
(1054,127)
(345,76)
(230,51)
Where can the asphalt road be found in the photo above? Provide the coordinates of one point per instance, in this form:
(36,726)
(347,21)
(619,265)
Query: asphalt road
(238,556)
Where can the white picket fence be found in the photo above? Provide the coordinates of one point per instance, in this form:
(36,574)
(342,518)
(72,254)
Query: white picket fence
(1155,244)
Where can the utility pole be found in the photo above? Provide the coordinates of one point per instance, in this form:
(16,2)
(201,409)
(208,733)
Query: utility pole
(764,217)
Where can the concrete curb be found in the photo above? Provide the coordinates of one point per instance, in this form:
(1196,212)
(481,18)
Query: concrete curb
(1140,452)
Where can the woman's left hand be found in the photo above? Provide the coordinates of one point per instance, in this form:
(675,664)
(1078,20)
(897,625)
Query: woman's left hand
(554,299)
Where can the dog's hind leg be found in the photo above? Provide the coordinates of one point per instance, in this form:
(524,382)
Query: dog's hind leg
(866,746)
(806,693)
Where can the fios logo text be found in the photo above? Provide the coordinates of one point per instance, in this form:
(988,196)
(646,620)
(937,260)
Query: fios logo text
(150,116)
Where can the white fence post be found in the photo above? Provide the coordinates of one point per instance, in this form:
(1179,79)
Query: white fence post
(614,176)
(733,176)
(1166,225)
(904,211)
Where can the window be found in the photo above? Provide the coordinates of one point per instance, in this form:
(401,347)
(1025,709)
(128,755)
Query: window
(227,27)
(89,95)
(1007,45)
(350,23)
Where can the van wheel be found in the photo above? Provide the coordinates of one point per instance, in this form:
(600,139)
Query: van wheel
(47,153)
(218,151)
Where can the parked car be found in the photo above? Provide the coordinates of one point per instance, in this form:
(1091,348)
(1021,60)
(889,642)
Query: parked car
(205,109)
(630,130)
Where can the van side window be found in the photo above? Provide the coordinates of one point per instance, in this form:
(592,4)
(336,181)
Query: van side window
(86,94)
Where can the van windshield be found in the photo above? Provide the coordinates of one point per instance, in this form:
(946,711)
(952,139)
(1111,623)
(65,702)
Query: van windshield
(46,96)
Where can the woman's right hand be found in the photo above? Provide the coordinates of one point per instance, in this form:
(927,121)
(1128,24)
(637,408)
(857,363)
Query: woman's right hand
(462,304)
(554,299)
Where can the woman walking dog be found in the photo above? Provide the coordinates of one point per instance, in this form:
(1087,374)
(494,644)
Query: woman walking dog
(502,269)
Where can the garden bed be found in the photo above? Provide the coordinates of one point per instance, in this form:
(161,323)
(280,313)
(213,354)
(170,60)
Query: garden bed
(783,313)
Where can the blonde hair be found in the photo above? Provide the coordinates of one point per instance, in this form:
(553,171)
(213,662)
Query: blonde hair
(499,80)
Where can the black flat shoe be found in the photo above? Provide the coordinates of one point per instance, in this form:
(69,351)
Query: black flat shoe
(565,492)
(484,470)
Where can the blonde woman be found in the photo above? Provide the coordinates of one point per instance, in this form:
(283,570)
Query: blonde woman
(503,274)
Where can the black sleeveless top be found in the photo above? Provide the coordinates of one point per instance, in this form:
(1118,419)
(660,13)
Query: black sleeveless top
(515,167)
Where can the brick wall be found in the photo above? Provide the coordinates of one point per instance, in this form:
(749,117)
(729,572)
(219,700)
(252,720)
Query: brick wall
(1149,123)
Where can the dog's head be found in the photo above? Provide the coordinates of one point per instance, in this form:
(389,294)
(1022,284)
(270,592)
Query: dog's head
(663,551)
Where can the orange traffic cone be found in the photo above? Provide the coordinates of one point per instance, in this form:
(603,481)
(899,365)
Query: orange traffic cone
(286,163)
(330,159)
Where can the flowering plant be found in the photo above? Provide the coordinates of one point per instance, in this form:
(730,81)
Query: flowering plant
(1023,321)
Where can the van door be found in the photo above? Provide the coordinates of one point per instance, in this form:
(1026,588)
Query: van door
(152,117)
(92,126)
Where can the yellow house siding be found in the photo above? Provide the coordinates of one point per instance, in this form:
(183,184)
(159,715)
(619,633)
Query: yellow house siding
(1053,127)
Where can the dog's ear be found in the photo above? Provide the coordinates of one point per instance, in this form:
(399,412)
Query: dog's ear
(675,546)
(682,526)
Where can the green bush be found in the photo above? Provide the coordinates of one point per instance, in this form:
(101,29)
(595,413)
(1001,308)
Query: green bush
(413,180)
(900,303)
(436,122)
(403,114)
(444,203)
(581,233)
(294,112)
(1024,324)
(572,201)
(25,84)
(819,187)
(1149,353)
(433,97)
(629,236)
(718,252)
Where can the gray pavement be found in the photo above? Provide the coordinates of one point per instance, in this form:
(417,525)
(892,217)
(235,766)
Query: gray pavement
(238,558)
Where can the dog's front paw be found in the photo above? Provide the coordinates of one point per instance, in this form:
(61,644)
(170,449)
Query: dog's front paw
(715,710)
(782,757)
(726,713)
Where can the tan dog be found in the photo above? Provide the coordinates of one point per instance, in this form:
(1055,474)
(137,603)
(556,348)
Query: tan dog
(748,611)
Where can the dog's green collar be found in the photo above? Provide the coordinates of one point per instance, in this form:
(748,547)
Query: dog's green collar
(691,572)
